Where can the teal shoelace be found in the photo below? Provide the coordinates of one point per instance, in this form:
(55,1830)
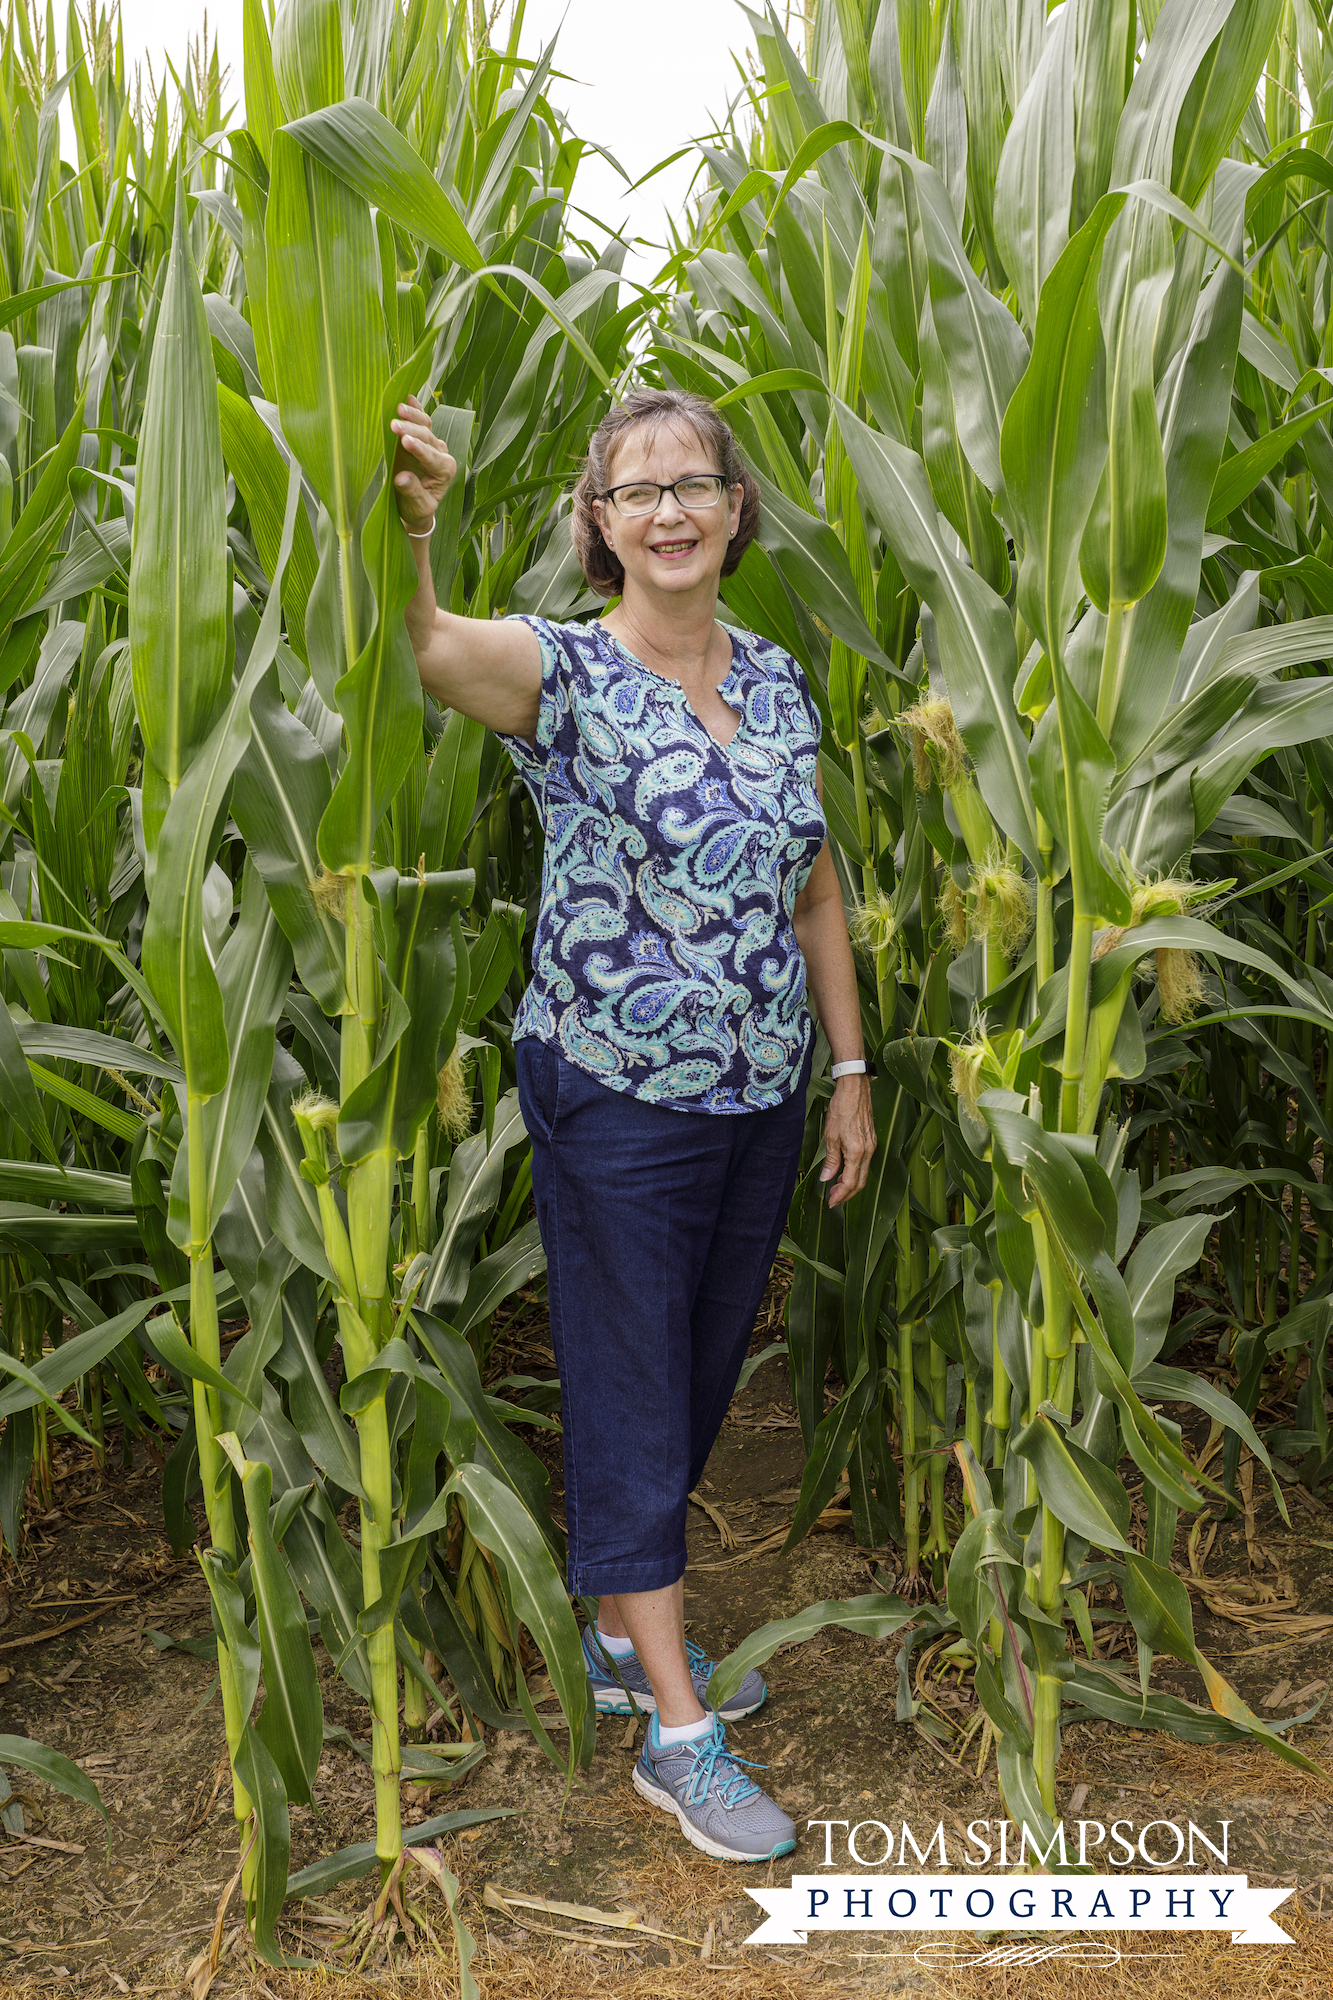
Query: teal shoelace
(697,1658)
(713,1761)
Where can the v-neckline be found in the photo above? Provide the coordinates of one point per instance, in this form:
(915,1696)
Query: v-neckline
(673,681)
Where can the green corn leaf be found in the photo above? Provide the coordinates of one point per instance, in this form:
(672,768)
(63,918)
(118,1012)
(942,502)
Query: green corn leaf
(1238,475)
(291,1724)
(812,560)
(307,54)
(815,1311)
(313,1407)
(42,1229)
(1036,168)
(360,146)
(970,1596)
(1157,1455)
(1099,1691)
(263,107)
(1159,1608)
(250,186)
(18,1095)
(984,349)
(281,790)
(1054,439)
(380,696)
(1023,1796)
(256,464)
(1180,41)
(253,971)
(1100,83)
(491,960)
(1150,1277)
(177,1352)
(829,1454)
(27,551)
(491,1281)
(872,1219)
(228,1601)
(179,590)
(536,1589)
(1221,88)
(1278,713)
(350,1863)
(472,1193)
(877,1616)
(48,143)
(55,1372)
(450,797)
(121,1123)
(976,631)
(273,1843)
(495,1448)
(29,1180)
(1176,1385)
(776,381)
(961,497)
(92,558)
(175,952)
(256,1348)
(1079,1491)
(54,1769)
(330,356)
(1073,767)
(1047,1162)
(1124,542)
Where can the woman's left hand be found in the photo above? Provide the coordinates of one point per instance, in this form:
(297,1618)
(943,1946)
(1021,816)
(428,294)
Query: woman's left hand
(849,1138)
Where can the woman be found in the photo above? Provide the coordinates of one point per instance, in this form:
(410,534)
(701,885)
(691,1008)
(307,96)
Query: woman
(664,1044)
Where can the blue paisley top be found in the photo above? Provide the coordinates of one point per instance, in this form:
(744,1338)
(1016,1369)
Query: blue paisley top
(665,963)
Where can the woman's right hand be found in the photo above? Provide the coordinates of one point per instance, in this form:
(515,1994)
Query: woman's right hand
(422,468)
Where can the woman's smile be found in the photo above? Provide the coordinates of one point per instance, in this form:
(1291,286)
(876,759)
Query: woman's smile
(673,551)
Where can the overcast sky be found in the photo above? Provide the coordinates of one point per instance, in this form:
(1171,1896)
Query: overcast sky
(644,80)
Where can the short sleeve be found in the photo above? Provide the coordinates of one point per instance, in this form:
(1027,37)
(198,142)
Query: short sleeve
(530,759)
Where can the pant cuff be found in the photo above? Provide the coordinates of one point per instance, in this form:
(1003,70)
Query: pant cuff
(608,1579)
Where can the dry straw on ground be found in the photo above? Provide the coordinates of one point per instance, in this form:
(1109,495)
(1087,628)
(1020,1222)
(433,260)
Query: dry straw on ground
(1189,1967)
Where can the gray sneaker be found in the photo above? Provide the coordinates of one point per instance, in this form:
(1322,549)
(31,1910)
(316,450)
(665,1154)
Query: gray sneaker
(612,1698)
(720,1810)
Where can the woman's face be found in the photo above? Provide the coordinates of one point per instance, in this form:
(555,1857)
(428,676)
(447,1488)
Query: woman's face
(671,548)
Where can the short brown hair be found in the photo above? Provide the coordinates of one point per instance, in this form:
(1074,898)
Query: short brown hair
(651,408)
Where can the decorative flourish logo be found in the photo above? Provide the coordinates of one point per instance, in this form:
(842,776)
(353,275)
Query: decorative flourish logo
(1090,1951)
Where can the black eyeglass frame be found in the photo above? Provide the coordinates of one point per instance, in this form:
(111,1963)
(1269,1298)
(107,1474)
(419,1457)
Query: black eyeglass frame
(698,507)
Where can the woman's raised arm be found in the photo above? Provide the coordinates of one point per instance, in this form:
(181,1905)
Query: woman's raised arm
(490,669)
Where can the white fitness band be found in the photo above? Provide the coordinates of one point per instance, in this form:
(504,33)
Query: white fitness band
(856,1068)
(424,536)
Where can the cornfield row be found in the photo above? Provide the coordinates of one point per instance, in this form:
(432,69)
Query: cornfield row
(1023,326)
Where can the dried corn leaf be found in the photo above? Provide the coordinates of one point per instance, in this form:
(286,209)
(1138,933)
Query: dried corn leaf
(512,1904)
(718,1519)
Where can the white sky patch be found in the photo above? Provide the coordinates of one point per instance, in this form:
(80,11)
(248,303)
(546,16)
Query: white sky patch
(645,81)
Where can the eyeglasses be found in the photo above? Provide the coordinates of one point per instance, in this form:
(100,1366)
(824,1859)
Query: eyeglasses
(642,496)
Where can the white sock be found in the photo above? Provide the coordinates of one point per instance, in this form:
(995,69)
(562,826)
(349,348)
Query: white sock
(618,1649)
(687,1731)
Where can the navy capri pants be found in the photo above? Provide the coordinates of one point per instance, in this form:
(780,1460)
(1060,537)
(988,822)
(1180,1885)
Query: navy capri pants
(660,1229)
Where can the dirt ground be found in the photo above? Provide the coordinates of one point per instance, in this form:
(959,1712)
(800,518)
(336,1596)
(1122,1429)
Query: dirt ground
(79,1670)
